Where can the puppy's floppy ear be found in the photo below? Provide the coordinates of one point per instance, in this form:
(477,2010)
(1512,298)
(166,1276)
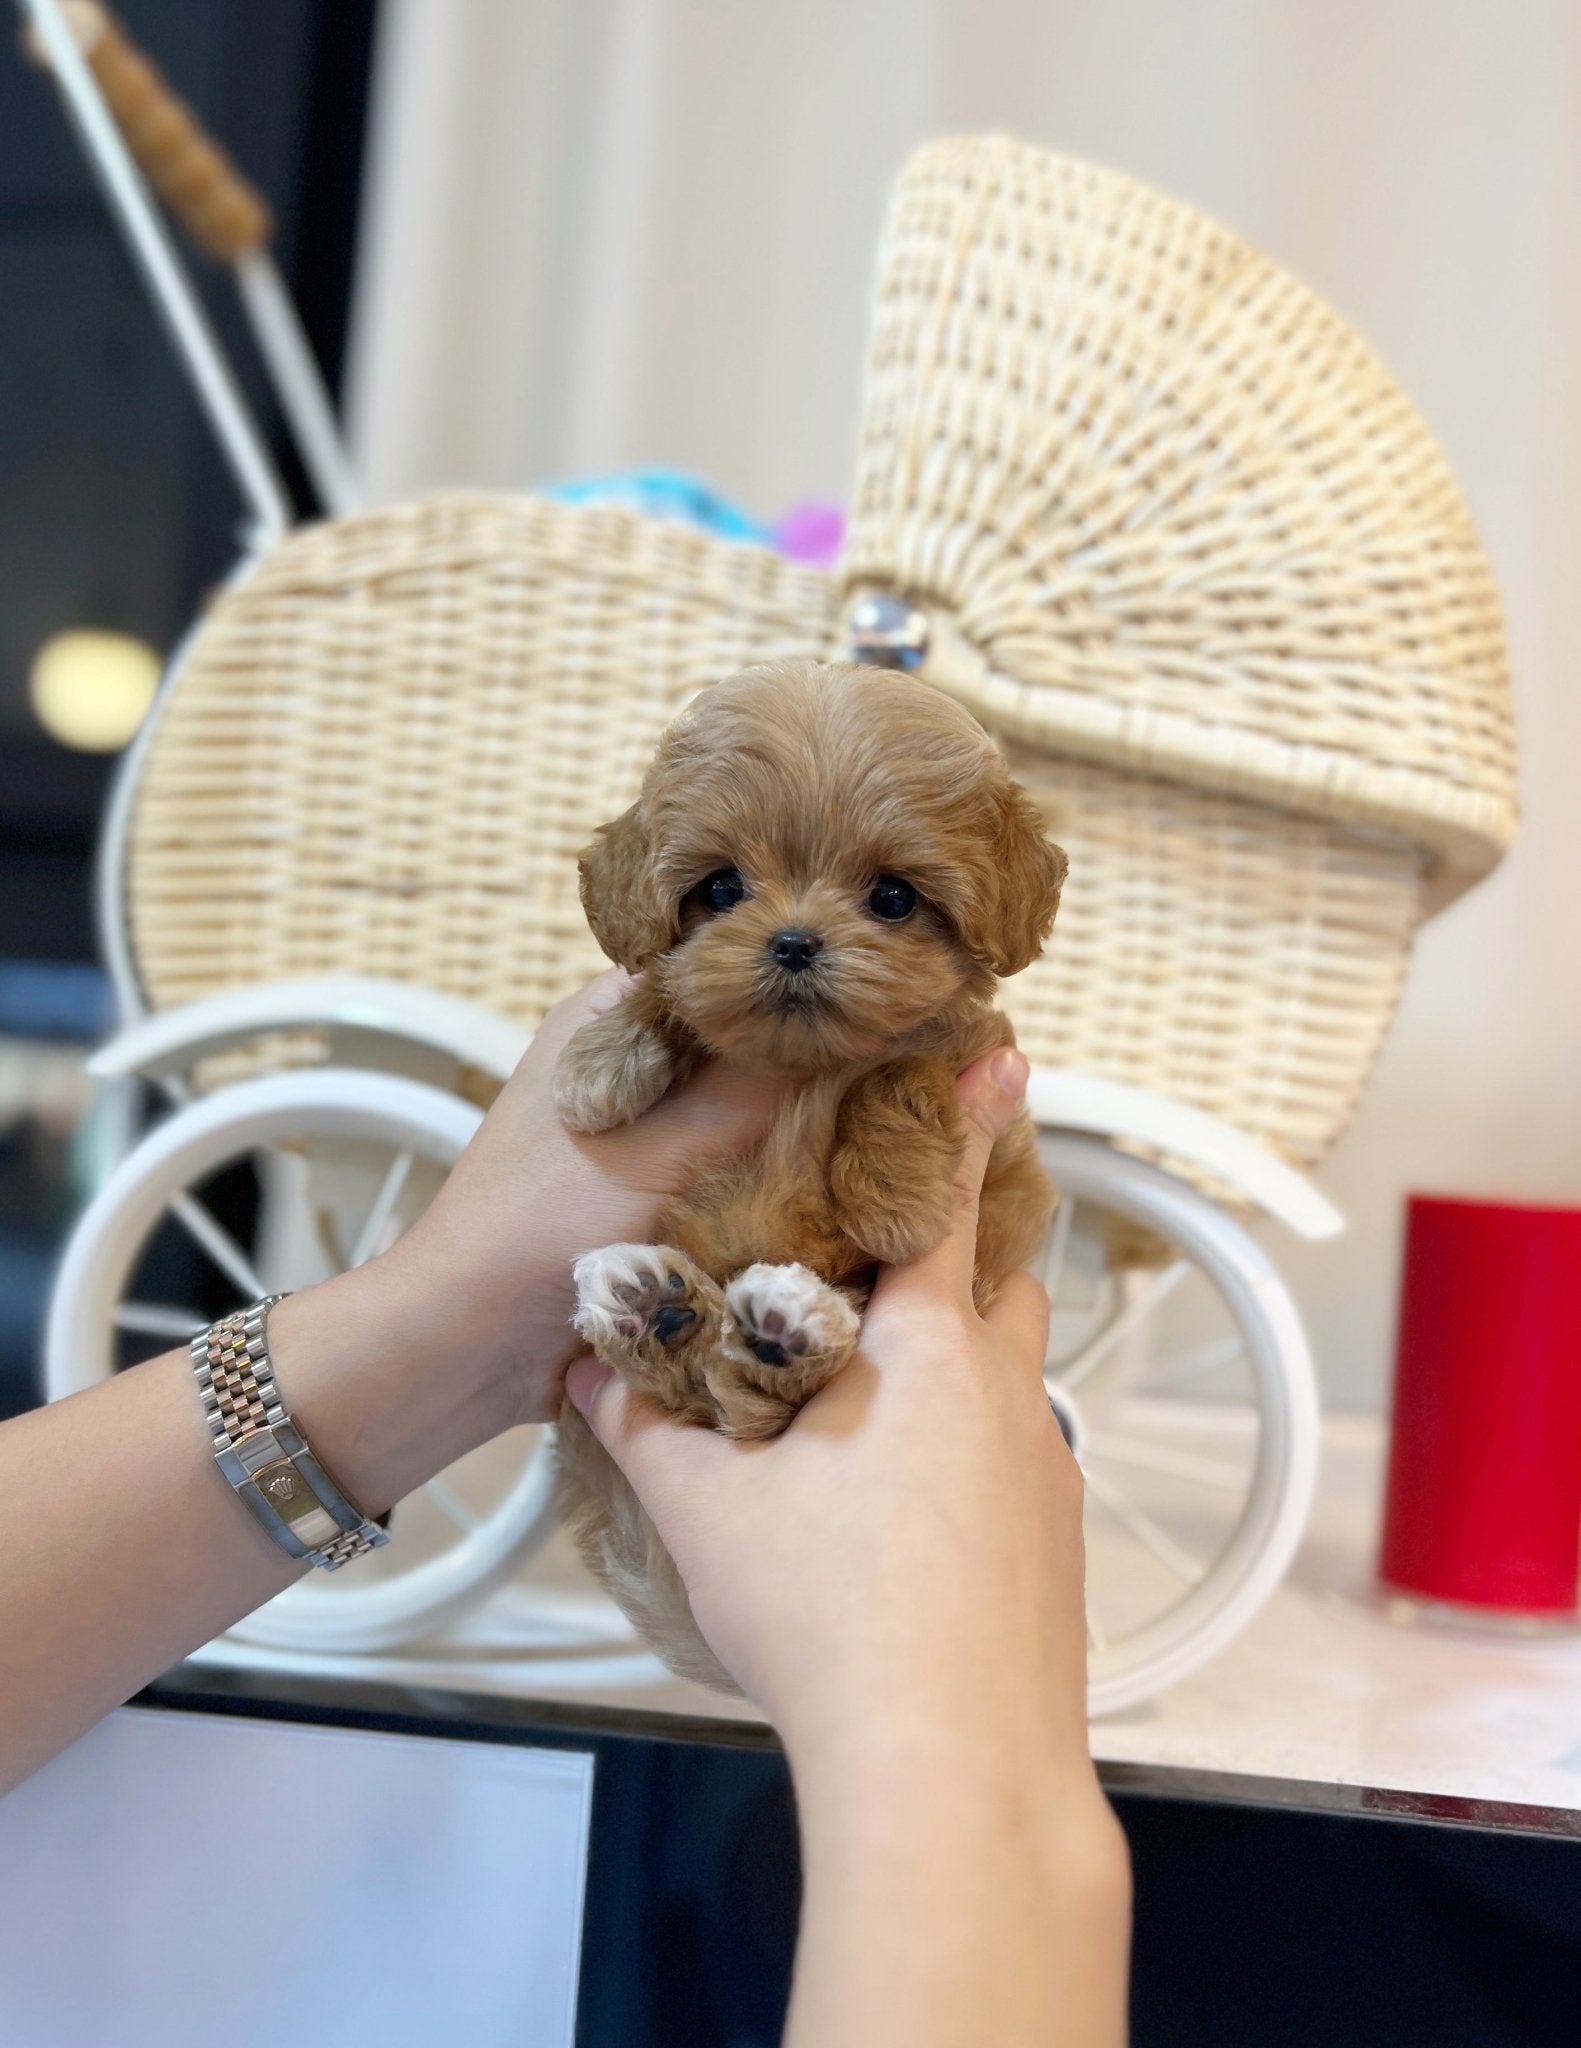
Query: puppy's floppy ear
(1029,870)
(631,919)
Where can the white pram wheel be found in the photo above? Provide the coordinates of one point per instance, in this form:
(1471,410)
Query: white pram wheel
(1185,1384)
(394,1128)
(1186,1387)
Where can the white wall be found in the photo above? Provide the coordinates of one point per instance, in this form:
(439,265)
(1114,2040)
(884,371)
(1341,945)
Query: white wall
(614,231)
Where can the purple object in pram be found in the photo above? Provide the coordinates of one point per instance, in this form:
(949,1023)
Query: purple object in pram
(813,533)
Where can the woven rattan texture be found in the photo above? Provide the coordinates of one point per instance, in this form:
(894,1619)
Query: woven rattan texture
(389,743)
(1193,558)
(1184,520)
(1239,958)
(391,740)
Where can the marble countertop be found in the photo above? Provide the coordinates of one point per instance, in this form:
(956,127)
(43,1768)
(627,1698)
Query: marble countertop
(1332,1697)
(1336,1685)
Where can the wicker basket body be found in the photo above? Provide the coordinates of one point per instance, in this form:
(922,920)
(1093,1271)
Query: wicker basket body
(1184,546)
(390,741)
(1233,956)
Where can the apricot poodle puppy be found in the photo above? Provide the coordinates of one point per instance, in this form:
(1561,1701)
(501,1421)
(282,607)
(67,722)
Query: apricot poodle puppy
(825,873)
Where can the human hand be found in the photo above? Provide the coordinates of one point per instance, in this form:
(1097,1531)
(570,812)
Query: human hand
(527,1197)
(905,1562)
(393,1370)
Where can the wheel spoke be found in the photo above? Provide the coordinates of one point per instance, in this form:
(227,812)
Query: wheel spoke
(450,1506)
(1146,1531)
(221,1247)
(158,1319)
(1191,1364)
(1130,1450)
(1059,1245)
(1157,1291)
(370,1239)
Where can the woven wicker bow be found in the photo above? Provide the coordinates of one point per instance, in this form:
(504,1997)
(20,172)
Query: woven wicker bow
(1181,543)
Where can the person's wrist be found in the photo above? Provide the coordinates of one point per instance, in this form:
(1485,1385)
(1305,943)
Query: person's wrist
(383,1382)
(989,1768)
(892,1735)
(503,1313)
(1010,1738)
(910,1686)
(497,1261)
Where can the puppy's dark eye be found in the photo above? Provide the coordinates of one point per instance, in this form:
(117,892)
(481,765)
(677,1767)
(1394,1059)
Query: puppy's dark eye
(892,899)
(720,891)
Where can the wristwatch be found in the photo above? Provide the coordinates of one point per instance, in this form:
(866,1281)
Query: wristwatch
(264,1455)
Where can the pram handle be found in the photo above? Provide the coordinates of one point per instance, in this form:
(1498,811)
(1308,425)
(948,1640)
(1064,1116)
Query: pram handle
(222,212)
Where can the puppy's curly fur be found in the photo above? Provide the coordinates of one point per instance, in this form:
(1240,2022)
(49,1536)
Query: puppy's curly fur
(825,873)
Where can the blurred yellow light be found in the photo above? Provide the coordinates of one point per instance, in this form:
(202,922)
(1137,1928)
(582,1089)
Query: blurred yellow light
(92,690)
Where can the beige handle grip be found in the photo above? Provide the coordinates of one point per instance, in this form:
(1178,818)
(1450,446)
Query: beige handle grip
(191,174)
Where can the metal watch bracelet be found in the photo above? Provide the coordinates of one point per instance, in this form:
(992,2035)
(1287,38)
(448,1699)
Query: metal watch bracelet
(264,1455)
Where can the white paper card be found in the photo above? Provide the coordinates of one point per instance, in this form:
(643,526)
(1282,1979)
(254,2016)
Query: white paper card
(186,1880)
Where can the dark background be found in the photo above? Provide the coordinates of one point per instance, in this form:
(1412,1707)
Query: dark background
(1256,1926)
(114,508)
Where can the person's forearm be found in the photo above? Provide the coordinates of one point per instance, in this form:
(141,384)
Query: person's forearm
(122,1547)
(958,1892)
(128,1548)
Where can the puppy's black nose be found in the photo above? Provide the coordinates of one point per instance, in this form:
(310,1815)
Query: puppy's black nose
(795,948)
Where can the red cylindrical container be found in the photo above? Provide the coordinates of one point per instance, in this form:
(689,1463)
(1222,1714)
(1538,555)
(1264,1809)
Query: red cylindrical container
(1484,1496)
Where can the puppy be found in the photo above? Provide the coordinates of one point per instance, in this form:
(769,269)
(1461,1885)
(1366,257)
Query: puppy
(822,878)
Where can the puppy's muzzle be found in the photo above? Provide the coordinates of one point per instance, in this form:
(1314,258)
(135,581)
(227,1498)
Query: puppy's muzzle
(795,948)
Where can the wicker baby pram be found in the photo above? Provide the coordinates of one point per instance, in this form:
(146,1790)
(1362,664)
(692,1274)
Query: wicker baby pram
(1128,491)
(1181,543)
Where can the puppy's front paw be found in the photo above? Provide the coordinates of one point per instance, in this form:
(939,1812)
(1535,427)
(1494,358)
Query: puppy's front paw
(611,1070)
(791,1334)
(652,1315)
